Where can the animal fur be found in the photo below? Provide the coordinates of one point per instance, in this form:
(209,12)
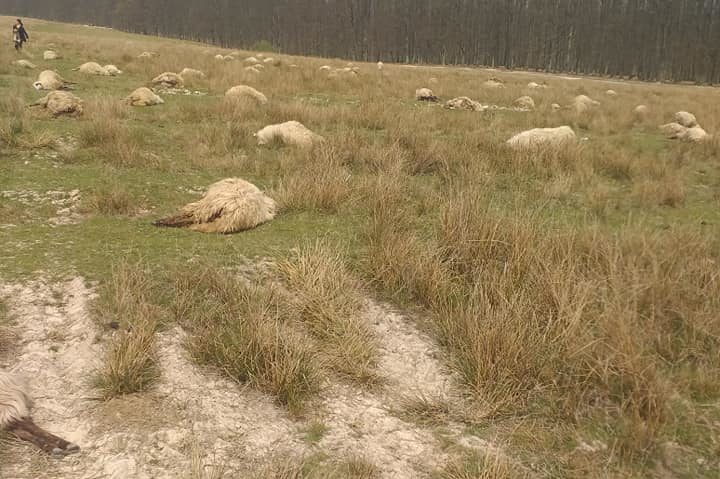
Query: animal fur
(291,133)
(25,64)
(542,137)
(50,80)
(61,103)
(244,91)
(464,103)
(92,68)
(230,205)
(583,103)
(525,102)
(144,96)
(50,55)
(168,80)
(425,94)
(686,119)
(15,405)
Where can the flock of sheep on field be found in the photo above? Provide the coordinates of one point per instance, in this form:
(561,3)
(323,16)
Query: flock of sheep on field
(232,205)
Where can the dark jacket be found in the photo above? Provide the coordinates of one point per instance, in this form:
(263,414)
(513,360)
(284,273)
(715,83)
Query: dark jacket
(22,35)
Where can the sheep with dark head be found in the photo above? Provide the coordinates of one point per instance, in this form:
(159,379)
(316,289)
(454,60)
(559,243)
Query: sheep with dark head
(15,405)
(230,205)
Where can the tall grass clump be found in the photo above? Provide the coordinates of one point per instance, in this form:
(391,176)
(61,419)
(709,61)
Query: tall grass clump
(125,307)
(239,328)
(327,299)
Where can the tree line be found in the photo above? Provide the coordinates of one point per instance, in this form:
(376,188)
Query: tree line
(671,40)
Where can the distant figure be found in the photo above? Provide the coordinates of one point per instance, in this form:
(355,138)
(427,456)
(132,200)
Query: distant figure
(20,35)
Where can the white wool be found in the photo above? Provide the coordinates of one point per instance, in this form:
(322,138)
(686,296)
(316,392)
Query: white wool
(92,68)
(25,64)
(147,55)
(525,102)
(494,83)
(269,60)
(49,80)
(252,60)
(61,103)
(219,57)
(694,134)
(534,85)
(15,401)
(49,55)
(168,80)
(380,65)
(583,103)
(555,107)
(542,137)
(245,91)
(112,70)
(252,69)
(686,119)
(191,73)
(464,103)
(228,58)
(673,130)
(425,94)
(260,55)
(325,68)
(291,133)
(641,111)
(229,206)
(144,96)
(611,93)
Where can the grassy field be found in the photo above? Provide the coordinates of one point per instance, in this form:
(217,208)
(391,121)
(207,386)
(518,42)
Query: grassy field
(574,292)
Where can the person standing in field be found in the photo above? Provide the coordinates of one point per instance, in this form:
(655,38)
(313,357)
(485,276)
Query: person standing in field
(20,35)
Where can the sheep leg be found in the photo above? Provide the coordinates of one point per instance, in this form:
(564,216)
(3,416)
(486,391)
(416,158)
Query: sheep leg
(27,430)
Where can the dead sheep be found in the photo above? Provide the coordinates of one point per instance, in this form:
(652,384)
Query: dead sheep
(229,206)
(168,80)
(686,119)
(425,94)
(244,91)
(536,86)
(541,137)
(290,133)
(228,58)
(525,102)
(464,103)
(25,64)
(640,112)
(252,60)
(380,66)
(15,406)
(188,73)
(270,61)
(50,80)
(676,131)
(50,55)
(583,103)
(325,68)
(144,96)
(92,68)
(219,57)
(555,107)
(611,93)
(112,70)
(146,55)
(61,103)
(494,82)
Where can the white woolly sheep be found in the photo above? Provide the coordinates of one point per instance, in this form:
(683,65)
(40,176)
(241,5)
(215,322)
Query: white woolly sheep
(50,55)
(673,130)
(168,80)
(244,91)
(144,96)
(269,60)
(583,103)
(640,112)
(694,134)
(525,102)
(15,406)
(494,82)
(112,70)
(92,68)
(542,137)
(425,94)
(380,66)
(50,80)
(188,73)
(219,57)
(25,64)
(611,93)
(145,55)
(535,86)
(230,205)
(686,119)
(291,133)
(325,68)
(464,103)
(252,60)
(676,131)
(61,103)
